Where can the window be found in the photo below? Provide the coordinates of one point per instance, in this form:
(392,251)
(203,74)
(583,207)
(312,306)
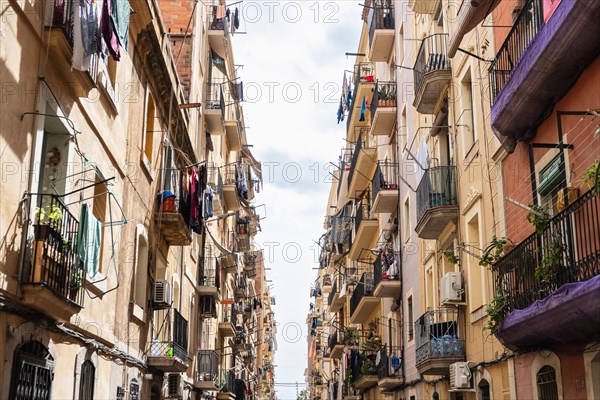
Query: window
(483,390)
(550,182)
(406,218)
(476,284)
(32,372)
(134,390)
(411,324)
(546,383)
(86,382)
(141,271)
(149,135)
(465,119)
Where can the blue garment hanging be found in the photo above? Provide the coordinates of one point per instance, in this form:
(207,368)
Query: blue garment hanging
(363,109)
(340,112)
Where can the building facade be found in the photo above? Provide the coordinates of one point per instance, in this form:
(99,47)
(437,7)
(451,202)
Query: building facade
(128,267)
(485,225)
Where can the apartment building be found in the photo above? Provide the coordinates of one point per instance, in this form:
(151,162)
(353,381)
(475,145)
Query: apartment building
(493,208)
(545,113)
(128,265)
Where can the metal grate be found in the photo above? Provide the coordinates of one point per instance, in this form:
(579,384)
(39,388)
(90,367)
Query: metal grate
(546,383)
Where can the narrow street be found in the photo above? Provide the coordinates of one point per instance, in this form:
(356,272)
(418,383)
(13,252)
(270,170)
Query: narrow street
(299,200)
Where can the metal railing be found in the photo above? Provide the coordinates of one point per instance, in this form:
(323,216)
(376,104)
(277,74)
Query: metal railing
(432,56)
(364,288)
(362,142)
(227,381)
(215,100)
(386,177)
(383,96)
(525,28)
(334,289)
(230,313)
(363,212)
(380,17)
(51,258)
(567,251)
(333,340)
(436,189)
(171,339)
(62,17)
(214,23)
(362,363)
(390,362)
(437,335)
(208,273)
(208,366)
(214,178)
(363,73)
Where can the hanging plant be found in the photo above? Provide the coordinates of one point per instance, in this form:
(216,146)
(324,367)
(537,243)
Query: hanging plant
(451,257)
(496,311)
(539,217)
(494,251)
(591,177)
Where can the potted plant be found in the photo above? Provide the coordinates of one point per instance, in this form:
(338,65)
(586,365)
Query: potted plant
(48,222)
(392,97)
(382,97)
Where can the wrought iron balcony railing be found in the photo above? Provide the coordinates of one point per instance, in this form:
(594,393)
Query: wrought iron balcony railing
(437,188)
(382,17)
(567,251)
(208,366)
(432,56)
(363,288)
(526,26)
(383,96)
(390,362)
(437,335)
(51,258)
(171,340)
(215,100)
(386,177)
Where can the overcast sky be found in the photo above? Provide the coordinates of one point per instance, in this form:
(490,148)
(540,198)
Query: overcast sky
(293,57)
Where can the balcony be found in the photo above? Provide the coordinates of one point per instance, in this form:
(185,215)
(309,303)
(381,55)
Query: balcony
(207,374)
(227,326)
(214,109)
(233,128)
(168,350)
(364,87)
(231,179)
(555,273)
(525,79)
(381,32)
(334,300)
(383,109)
(438,342)
(173,227)
(362,302)
(53,276)
(432,74)
(389,369)
(226,385)
(60,47)
(215,181)
(384,188)
(363,164)
(364,369)
(365,228)
(335,344)
(209,275)
(424,6)
(218,36)
(436,201)
(252,261)
(386,278)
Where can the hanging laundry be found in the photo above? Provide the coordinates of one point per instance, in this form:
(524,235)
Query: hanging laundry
(209,195)
(236,19)
(221,12)
(228,14)
(85,33)
(120,13)
(89,238)
(340,112)
(108,31)
(363,109)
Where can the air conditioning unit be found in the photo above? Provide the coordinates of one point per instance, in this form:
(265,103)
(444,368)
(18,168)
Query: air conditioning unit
(451,288)
(460,376)
(173,388)
(161,295)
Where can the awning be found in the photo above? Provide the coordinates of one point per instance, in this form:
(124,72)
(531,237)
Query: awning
(471,14)
(254,164)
